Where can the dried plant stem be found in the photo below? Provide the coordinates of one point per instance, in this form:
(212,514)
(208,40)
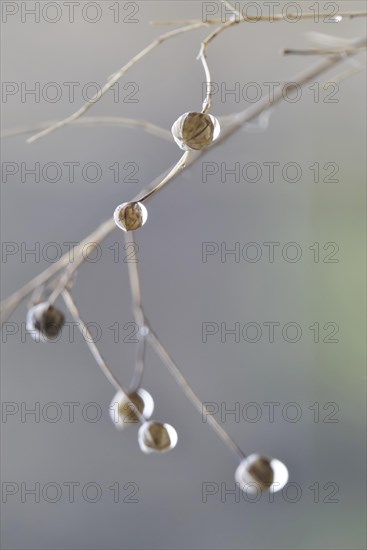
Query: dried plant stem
(139,318)
(231,7)
(229,125)
(74,311)
(202,57)
(114,78)
(72,268)
(175,371)
(233,122)
(142,321)
(330,51)
(180,165)
(137,306)
(139,367)
(108,121)
(97,236)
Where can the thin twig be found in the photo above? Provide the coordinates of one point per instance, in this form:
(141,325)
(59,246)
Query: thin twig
(148,127)
(139,318)
(114,78)
(72,268)
(144,324)
(232,123)
(231,7)
(202,57)
(199,405)
(320,51)
(97,236)
(134,282)
(139,366)
(180,165)
(74,311)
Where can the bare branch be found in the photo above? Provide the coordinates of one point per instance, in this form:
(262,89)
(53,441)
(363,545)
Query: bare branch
(191,395)
(148,333)
(229,125)
(108,121)
(320,51)
(74,311)
(114,78)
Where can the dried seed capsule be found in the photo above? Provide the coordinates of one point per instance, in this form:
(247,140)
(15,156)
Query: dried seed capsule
(130,215)
(122,407)
(259,473)
(156,437)
(195,131)
(44,322)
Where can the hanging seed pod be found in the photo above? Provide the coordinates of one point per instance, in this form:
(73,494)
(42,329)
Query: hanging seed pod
(156,437)
(259,473)
(44,322)
(122,408)
(130,216)
(195,131)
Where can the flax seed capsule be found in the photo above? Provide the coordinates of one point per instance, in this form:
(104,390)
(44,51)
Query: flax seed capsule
(259,473)
(130,216)
(156,437)
(123,407)
(44,322)
(195,131)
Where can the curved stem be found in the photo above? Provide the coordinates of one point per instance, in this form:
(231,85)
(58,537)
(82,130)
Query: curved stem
(114,78)
(231,124)
(74,311)
(108,121)
(171,174)
(187,389)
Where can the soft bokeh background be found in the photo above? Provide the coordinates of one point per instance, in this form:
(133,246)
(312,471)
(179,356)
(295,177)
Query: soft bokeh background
(181,292)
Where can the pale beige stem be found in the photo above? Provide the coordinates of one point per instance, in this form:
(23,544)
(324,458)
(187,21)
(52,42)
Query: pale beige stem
(191,395)
(123,122)
(114,78)
(231,124)
(75,313)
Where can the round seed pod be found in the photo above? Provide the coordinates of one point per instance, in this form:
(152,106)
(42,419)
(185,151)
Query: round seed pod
(195,131)
(122,408)
(259,473)
(44,322)
(156,437)
(130,216)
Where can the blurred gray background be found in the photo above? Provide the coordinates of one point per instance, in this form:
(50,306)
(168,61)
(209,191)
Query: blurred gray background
(325,505)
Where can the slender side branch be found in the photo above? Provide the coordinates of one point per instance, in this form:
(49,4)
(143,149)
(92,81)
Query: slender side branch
(97,236)
(74,311)
(114,78)
(202,57)
(72,268)
(142,322)
(134,282)
(232,8)
(171,174)
(229,125)
(108,121)
(137,308)
(330,51)
(176,373)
